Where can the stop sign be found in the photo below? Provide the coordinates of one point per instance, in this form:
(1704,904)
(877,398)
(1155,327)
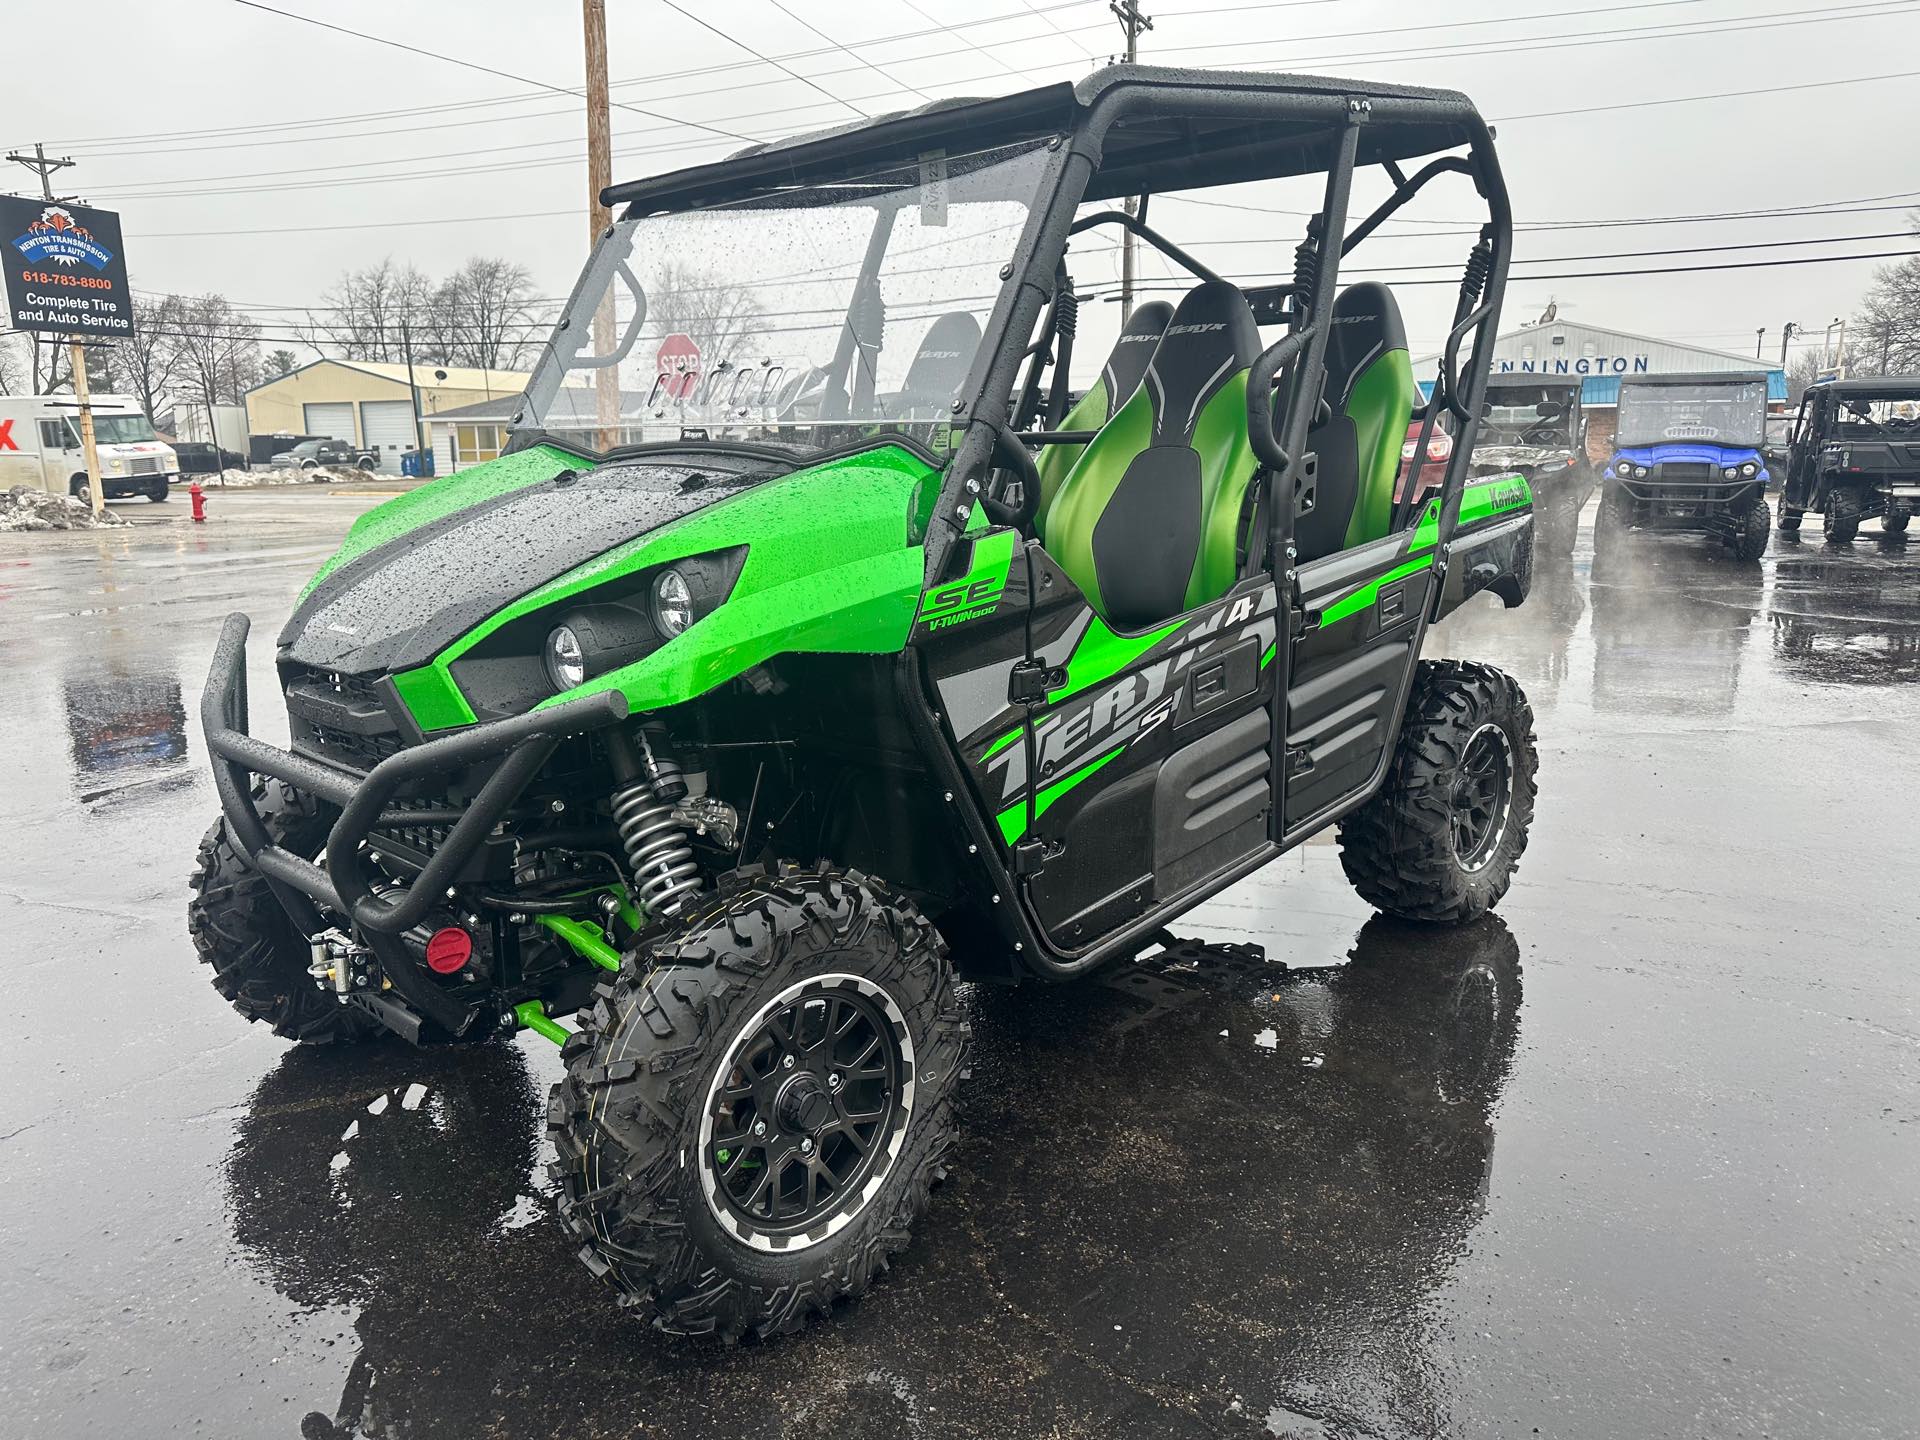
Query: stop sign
(678,363)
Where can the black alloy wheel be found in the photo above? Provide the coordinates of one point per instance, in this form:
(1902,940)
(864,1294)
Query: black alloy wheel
(1482,797)
(806,1112)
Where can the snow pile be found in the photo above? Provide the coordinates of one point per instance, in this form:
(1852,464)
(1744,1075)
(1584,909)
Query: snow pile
(280,475)
(22,508)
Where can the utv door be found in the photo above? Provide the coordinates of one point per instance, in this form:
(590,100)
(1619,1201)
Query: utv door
(1145,768)
(1357,636)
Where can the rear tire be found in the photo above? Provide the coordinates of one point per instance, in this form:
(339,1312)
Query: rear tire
(1750,540)
(1441,839)
(1842,516)
(259,960)
(1788,520)
(1893,520)
(648,1185)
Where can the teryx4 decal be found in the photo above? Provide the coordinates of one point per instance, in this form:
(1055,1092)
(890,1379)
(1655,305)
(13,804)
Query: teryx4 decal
(1120,711)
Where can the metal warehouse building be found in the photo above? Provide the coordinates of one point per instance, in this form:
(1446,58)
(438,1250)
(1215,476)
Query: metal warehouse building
(370,403)
(1603,358)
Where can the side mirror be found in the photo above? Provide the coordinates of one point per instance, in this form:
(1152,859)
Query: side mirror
(1549,410)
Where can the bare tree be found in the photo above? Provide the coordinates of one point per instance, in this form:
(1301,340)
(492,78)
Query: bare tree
(16,366)
(368,313)
(484,314)
(1884,337)
(150,362)
(720,315)
(220,352)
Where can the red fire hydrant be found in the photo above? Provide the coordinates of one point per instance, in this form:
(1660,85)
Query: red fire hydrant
(199,498)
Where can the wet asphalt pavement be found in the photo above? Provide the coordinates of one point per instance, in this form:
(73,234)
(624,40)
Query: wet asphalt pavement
(1638,1156)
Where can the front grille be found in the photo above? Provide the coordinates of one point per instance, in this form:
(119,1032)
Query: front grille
(143,467)
(340,718)
(1683,472)
(413,843)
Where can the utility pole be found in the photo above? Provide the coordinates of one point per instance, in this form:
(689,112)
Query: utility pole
(76,352)
(1787,332)
(1134,23)
(606,380)
(413,394)
(1759,339)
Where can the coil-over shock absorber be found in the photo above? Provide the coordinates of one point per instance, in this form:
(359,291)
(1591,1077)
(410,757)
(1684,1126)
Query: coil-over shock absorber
(656,843)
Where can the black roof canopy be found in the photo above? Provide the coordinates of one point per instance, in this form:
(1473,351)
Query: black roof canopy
(1179,129)
(1888,386)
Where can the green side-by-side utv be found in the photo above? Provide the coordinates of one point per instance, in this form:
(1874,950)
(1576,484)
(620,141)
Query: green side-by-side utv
(817,636)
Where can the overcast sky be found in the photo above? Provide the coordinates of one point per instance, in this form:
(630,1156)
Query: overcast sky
(271,216)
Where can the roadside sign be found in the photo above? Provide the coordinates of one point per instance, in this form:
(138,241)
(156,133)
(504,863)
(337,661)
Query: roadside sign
(66,274)
(678,363)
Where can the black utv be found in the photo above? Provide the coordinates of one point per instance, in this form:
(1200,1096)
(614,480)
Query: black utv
(1855,454)
(1532,425)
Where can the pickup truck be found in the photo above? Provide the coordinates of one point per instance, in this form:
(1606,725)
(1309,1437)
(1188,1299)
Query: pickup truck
(335,454)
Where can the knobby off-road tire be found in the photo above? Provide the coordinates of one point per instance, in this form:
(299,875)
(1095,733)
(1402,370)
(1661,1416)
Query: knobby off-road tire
(1789,520)
(1402,849)
(1894,519)
(259,960)
(638,1168)
(1749,542)
(1842,515)
(1562,524)
(1610,519)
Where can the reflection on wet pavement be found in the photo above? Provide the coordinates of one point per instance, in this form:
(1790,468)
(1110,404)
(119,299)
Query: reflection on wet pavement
(1313,1174)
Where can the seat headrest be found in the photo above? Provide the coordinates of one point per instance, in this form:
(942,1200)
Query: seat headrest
(1133,351)
(1211,337)
(1366,324)
(939,367)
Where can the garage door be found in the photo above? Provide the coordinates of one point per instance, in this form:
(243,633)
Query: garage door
(387,426)
(333,420)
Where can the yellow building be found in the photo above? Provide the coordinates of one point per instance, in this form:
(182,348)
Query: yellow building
(369,403)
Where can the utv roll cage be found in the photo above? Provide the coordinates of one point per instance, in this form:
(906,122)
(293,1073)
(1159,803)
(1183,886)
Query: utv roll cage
(1130,131)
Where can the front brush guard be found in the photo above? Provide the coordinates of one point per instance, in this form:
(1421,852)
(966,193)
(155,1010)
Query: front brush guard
(302,887)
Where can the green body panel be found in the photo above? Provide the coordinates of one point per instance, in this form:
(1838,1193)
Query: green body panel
(1482,500)
(829,568)
(1227,466)
(432,698)
(1103,651)
(1378,405)
(1056,462)
(386,523)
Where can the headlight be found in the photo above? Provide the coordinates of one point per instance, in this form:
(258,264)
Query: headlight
(672,603)
(566,661)
(1749,469)
(1730,473)
(116,464)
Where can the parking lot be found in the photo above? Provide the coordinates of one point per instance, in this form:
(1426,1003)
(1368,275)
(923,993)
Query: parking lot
(1639,1155)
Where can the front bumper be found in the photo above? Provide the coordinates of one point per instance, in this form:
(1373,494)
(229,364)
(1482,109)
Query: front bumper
(521,744)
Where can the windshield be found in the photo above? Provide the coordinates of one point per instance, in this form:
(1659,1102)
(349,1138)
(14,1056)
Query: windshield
(809,318)
(121,429)
(1721,414)
(1513,416)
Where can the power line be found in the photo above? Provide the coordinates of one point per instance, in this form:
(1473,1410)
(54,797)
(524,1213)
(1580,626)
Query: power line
(800,20)
(472,65)
(776,64)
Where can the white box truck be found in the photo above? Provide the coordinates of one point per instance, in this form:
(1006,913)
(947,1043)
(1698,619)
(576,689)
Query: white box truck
(40,447)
